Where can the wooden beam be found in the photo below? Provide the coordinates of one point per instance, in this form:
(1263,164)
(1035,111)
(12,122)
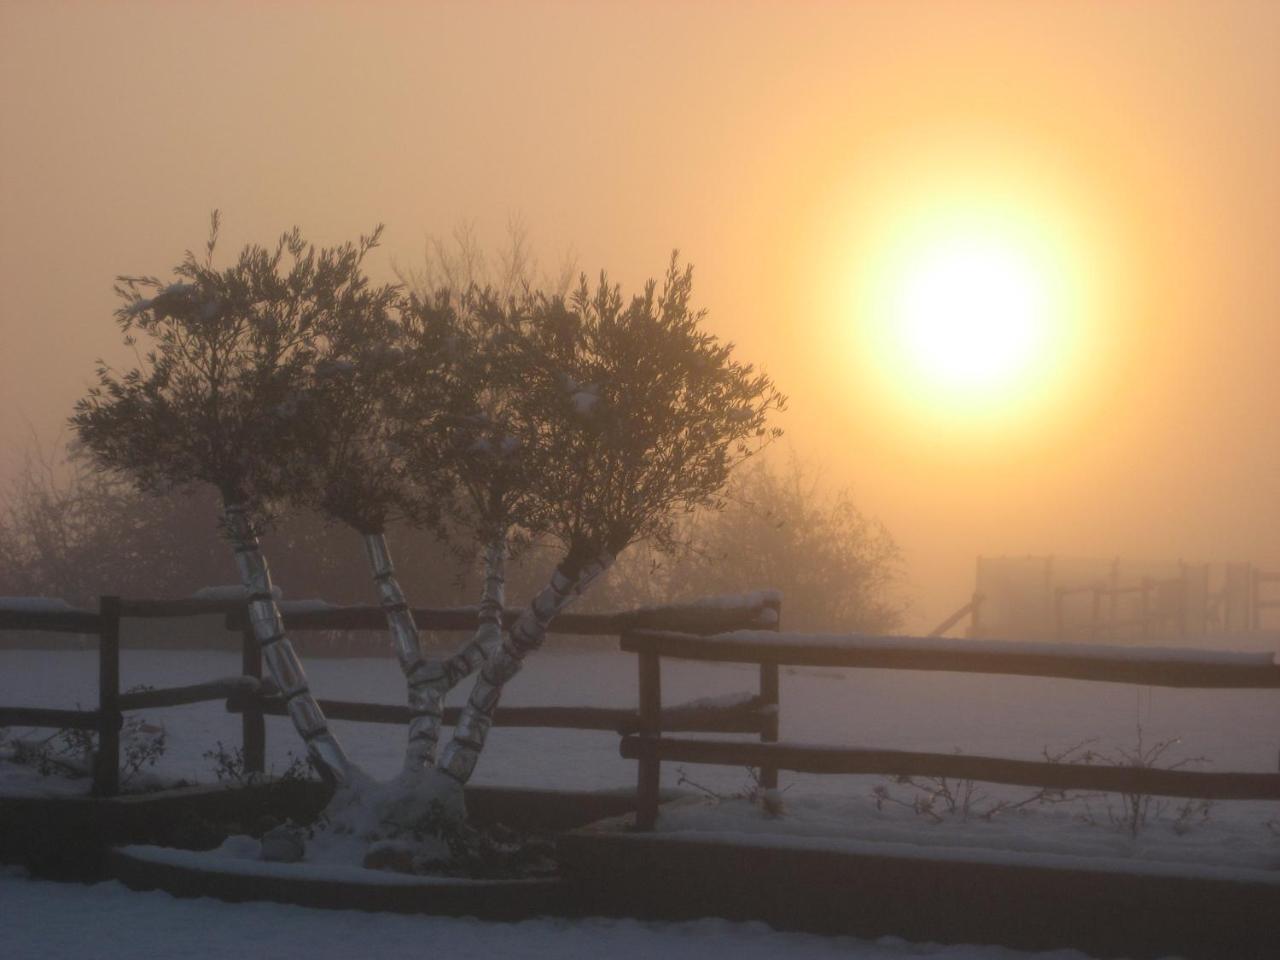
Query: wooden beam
(50,621)
(956,617)
(1189,669)
(649,769)
(57,719)
(180,607)
(253,729)
(194,693)
(106,776)
(1027,773)
(690,619)
(747,719)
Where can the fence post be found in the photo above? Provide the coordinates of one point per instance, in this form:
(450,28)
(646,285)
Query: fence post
(253,729)
(649,766)
(106,774)
(769,697)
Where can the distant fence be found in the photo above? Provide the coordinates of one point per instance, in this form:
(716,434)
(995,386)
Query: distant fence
(1183,668)
(253,698)
(1054,597)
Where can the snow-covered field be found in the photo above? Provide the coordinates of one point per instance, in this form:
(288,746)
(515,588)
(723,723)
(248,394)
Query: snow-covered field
(1001,716)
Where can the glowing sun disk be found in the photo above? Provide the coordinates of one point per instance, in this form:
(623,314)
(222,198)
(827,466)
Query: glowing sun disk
(970,314)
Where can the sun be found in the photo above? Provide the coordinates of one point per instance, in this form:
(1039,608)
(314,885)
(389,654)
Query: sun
(970,313)
(969,310)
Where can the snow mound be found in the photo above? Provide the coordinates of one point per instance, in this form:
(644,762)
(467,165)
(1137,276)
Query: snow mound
(230,592)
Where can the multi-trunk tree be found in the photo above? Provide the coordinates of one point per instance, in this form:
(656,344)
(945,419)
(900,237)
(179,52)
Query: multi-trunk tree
(592,420)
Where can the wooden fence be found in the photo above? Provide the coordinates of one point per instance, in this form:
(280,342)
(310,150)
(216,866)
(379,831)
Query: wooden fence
(1184,668)
(253,698)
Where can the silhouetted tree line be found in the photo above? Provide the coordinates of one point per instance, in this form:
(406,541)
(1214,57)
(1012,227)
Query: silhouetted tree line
(69,531)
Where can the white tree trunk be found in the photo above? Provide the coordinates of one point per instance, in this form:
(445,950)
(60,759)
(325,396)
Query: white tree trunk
(430,679)
(277,652)
(488,635)
(527,634)
(426,705)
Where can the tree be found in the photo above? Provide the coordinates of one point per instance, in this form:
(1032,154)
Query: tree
(631,414)
(69,531)
(287,377)
(836,567)
(214,402)
(460,265)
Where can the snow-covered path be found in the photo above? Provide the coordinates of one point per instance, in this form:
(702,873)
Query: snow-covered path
(40,920)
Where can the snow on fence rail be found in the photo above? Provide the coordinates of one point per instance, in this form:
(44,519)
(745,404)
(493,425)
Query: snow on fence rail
(253,698)
(1199,669)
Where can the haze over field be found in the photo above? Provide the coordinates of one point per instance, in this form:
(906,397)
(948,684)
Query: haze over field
(1085,193)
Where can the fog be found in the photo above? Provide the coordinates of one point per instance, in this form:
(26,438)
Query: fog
(760,139)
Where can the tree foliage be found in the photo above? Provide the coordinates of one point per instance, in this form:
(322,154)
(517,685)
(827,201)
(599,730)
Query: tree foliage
(641,413)
(837,568)
(214,398)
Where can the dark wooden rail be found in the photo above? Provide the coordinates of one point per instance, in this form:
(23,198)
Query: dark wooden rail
(193,693)
(695,619)
(1197,669)
(1172,668)
(43,717)
(972,610)
(51,621)
(1023,773)
(746,718)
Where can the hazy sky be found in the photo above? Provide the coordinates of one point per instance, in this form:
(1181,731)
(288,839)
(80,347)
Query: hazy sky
(776,144)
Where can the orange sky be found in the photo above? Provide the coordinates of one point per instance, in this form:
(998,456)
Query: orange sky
(764,140)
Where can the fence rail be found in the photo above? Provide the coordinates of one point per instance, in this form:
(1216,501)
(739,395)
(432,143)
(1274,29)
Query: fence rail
(1173,668)
(1191,669)
(750,717)
(1023,773)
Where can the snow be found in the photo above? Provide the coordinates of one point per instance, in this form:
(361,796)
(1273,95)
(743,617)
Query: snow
(230,592)
(106,921)
(992,715)
(34,605)
(1228,848)
(584,402)
(741,601)
(19,780)
(239,855)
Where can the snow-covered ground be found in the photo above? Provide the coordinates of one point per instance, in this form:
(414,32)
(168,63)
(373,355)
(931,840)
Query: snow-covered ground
(51,921)
(999,716)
